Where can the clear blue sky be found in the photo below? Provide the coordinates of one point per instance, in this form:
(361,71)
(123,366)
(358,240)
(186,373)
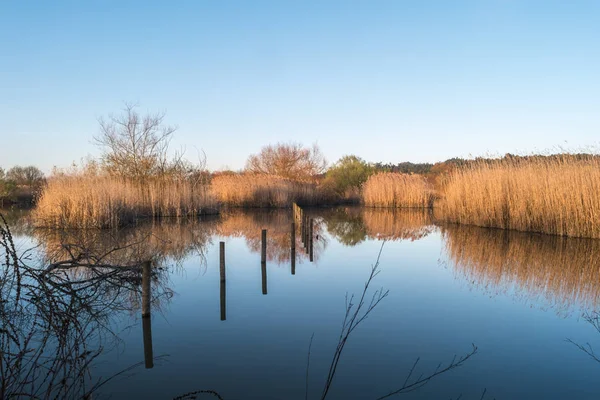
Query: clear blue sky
(386,80)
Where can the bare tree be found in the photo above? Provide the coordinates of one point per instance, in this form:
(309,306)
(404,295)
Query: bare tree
(288,160)
(135,146)
(56,320)
(30,176)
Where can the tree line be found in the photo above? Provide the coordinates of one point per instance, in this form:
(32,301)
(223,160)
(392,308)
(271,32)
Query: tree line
(135,146)
(20,184)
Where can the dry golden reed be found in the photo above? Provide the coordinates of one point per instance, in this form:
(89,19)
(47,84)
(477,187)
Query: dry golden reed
(262,190)
(392,189)
(85,201)
(565,272)
(557,195)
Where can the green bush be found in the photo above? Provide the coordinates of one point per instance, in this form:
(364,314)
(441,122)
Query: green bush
(348,174)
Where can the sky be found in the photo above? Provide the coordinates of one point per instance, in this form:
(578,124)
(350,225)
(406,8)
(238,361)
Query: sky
(388,81)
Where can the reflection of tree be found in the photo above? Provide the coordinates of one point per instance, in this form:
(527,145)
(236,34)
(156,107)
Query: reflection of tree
(565,271)
(352,225)
(346,225)
(55,319)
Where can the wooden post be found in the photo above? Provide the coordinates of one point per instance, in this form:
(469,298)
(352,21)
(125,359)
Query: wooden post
(146,295)
(306,233)
(263,272)
(293,247)
(310,240)
(302,227)
(263,251)
(146,313)
(147,334)
(223,305)
(222,288)
(263,260)
(222,260)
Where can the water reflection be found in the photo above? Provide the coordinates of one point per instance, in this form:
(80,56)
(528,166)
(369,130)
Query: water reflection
(249,225)
(354,225)
(57,318)
(71,300)
(562,272)
(160,242)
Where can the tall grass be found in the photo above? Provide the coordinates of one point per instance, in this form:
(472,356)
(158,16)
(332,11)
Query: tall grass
(262,190)
(392,189)
(557,195)
(84,201)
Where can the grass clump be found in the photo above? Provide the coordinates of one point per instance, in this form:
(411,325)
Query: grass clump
(392,189)
(556,195)
(84,201)
(264,190)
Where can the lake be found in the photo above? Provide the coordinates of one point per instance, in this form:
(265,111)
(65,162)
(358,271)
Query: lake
(524,300)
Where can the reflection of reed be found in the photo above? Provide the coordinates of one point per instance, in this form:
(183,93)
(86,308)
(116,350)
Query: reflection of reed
(393,224)
(158,241)
(566,271)
(277,223)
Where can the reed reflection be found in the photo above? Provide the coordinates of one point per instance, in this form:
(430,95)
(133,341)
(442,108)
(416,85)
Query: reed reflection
(249,225)
(565,272)
(161,242)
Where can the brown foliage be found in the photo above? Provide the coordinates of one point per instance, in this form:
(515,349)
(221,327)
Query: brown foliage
(259,190)
(391,189)
(96,201)
(288,160)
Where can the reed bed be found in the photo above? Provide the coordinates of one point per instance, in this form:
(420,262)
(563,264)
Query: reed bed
(557,195)
(262,190)
(562,271)
(81,201)
(392,189)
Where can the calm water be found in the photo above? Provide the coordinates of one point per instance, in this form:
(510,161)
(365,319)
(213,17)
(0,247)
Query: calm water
(517,297)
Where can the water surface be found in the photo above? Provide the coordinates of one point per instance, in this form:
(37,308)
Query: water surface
(518,297)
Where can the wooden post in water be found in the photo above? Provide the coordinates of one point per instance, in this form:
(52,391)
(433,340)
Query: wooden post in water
(222,289)
(263,249)
(222,260)
(146,295)
(146,314)
(306,234)
(263,261)
(302,227)
(263,273)
(147,333)
(223,304)
(293,247)
(310,240)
